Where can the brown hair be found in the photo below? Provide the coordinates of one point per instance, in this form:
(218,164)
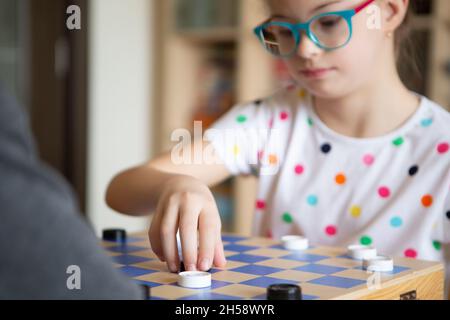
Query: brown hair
(406,50)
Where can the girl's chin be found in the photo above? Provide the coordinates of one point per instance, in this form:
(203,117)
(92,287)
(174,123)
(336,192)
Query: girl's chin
(323,89)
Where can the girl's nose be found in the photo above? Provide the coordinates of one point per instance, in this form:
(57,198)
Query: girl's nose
(307,49)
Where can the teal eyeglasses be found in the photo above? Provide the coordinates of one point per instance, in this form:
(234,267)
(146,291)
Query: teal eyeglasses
(329,31)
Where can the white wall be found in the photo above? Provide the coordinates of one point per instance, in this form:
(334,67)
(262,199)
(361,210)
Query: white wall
(120,91)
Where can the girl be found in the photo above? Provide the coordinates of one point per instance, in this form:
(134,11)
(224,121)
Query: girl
(347,155)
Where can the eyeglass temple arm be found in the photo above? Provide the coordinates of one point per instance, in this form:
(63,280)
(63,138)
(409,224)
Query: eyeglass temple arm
(362,6)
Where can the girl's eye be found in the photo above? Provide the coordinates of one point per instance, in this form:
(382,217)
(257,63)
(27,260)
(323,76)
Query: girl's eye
(329,22)
(286,33)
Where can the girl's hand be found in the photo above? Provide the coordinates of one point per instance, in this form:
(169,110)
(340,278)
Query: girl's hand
(186,204)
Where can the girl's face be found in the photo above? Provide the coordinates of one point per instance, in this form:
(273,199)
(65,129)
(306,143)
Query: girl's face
(340,71)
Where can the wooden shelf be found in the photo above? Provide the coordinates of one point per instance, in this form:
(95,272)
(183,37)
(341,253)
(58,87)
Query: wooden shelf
(210,36)
(180,56)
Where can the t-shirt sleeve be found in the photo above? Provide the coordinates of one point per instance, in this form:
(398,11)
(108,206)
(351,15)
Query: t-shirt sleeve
(239,138)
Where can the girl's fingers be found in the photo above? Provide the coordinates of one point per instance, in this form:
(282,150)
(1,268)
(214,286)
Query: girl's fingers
(208,229)
(168,238)
(219,255)
(154,232)
(188,234)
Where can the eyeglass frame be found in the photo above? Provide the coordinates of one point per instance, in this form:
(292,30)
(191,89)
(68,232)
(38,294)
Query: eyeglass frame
(295,28)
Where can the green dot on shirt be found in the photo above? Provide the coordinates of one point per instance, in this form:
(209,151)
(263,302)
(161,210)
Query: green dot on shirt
(366,240)
(287,217)
(241,119)
(437,245)
(398,142)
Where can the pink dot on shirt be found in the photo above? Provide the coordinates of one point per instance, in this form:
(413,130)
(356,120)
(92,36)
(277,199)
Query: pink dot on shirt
(284,115)
(443,148)
(368,159)
(271,121)
(384,192)
(260,155)
(299,169)
(411,253)
(331,230)
(260,204)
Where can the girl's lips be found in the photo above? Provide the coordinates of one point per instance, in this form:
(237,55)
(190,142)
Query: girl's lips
(315,73)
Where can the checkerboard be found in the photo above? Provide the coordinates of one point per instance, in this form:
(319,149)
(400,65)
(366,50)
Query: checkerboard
(255,263)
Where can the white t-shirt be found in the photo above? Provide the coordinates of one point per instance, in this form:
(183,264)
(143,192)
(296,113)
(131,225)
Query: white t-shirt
(392,191)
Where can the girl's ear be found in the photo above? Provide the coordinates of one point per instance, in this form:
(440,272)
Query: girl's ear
(394,14)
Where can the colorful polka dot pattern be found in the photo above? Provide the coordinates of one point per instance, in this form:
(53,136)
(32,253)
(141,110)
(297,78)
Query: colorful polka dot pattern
(443,148)
(410,253)
(366,240)
(396,222)
(287,217)
(355,211)
(312,200)
(427,201)
(341,179)
(398,142)
(299,169)
(331,230)
(367,160)
(384,192)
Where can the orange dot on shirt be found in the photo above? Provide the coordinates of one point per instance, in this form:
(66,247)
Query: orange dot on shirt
(273,159)
(341,179)
(427,200)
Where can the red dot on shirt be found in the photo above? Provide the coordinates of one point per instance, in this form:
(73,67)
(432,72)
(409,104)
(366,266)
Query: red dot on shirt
(284,115)
(260,204)
(384,192)
(427,200)
(269,234)
(443,148)
(331,230)
(299,169)
(411,253)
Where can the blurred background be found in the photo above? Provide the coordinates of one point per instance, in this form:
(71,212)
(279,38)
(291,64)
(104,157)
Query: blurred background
(107,96)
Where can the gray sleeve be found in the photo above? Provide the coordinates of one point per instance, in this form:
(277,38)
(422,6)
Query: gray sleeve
(41,231)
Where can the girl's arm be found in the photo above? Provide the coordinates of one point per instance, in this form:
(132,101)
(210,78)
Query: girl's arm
(136,191)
